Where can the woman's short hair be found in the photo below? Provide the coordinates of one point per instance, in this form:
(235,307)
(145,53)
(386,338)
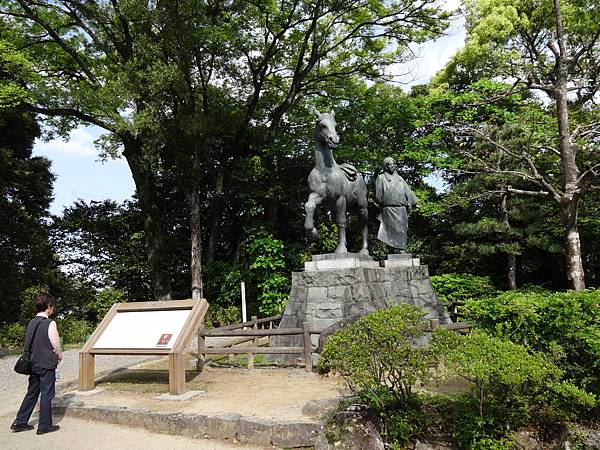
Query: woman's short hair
(43,301)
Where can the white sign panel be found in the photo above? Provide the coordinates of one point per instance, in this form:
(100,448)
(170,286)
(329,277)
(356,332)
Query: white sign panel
(143,329)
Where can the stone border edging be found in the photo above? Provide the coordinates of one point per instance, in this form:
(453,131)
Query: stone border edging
(248,430)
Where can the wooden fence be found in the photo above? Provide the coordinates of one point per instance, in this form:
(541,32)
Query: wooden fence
(249,331)
(255,329)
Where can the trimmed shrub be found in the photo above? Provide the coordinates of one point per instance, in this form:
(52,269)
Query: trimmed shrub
(376,356)
(103,301)
(565,325)
(460,287)
(508,384)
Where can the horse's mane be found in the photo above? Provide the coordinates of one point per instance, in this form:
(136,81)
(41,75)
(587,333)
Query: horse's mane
(349,171)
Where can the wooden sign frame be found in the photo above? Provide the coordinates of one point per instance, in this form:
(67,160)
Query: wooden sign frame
(176,353)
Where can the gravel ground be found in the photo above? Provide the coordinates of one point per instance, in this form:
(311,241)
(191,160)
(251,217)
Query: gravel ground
(13,390)
(76,434)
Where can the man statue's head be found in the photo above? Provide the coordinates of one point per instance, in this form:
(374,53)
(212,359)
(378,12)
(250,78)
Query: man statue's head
(389,165)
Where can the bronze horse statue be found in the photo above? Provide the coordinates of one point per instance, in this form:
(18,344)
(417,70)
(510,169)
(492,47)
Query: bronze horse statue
(338,185)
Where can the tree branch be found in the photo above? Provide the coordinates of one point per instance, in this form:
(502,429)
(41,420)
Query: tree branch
(35,17)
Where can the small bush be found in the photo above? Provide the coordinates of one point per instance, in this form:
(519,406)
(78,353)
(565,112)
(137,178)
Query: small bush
(508,384)
(460,287)
(74,331)
(219,316)
(376,356)
(563,324)
(12,335)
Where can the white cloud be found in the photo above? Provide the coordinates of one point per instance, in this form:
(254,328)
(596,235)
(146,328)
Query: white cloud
(80,143)
(431,56)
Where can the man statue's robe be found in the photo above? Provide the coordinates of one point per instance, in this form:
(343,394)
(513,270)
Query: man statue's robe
(394,196)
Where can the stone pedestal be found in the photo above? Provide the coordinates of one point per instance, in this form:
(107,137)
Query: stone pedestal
(400,260)
(323,295)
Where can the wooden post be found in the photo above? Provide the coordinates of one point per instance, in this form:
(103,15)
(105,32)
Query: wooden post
(176,373)
(243,291)
(86,371)
(307,348)
(254,344)
(201,346)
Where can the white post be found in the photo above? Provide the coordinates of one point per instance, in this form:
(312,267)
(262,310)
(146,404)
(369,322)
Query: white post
(243,302)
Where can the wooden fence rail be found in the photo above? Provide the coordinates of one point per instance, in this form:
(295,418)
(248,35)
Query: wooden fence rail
(240,335)
(253,334)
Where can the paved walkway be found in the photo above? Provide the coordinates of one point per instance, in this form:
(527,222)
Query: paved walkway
(76,434)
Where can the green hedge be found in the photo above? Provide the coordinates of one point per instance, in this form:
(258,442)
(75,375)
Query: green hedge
(460,287)
(565,325)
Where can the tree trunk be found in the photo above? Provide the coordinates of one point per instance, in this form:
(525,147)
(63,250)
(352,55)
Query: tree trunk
(215,217)
(575,273)
(196,231)
(154,236)
(511,274)
(570,172)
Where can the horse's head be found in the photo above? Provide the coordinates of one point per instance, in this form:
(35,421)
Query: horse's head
(325,129)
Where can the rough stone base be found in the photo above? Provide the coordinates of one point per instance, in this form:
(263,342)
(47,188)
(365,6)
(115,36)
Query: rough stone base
(252,430)
(323,297)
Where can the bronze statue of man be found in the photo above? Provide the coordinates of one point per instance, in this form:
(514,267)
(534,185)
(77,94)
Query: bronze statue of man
(396,200)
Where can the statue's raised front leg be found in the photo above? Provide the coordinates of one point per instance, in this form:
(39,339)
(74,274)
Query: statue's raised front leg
(314,200)
(340,214)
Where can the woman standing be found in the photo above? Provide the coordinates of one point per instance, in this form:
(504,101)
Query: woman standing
(45,355)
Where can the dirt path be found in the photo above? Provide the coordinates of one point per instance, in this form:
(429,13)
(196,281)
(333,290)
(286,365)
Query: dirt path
(81,434)
(279,394)
(78,434)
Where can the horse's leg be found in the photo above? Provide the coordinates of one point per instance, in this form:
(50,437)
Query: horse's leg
(363,212)
(340,214)
(314,200)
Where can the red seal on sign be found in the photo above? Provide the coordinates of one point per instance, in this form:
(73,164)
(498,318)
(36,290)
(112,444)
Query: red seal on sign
(164,339)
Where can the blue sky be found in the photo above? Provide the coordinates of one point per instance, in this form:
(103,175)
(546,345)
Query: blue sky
(81,175)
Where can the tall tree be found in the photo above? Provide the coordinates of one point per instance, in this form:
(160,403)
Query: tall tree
(96,63)
(255,61)
(25,187)
(221,74)
(552,48)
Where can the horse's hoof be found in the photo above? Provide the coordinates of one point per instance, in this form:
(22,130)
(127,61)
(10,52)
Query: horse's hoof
(364,252)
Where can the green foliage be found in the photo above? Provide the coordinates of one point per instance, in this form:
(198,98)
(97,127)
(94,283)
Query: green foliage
(74,331)
(376,356)
(103,242)
(565,324)
(12,335)
(460,287)
(27,303)
(26,256)
(15,70)
(508,383)
(222,285)
(267,268)
(219,316)
(102,302)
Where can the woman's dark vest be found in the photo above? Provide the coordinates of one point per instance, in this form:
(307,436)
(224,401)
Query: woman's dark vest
(42,354)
